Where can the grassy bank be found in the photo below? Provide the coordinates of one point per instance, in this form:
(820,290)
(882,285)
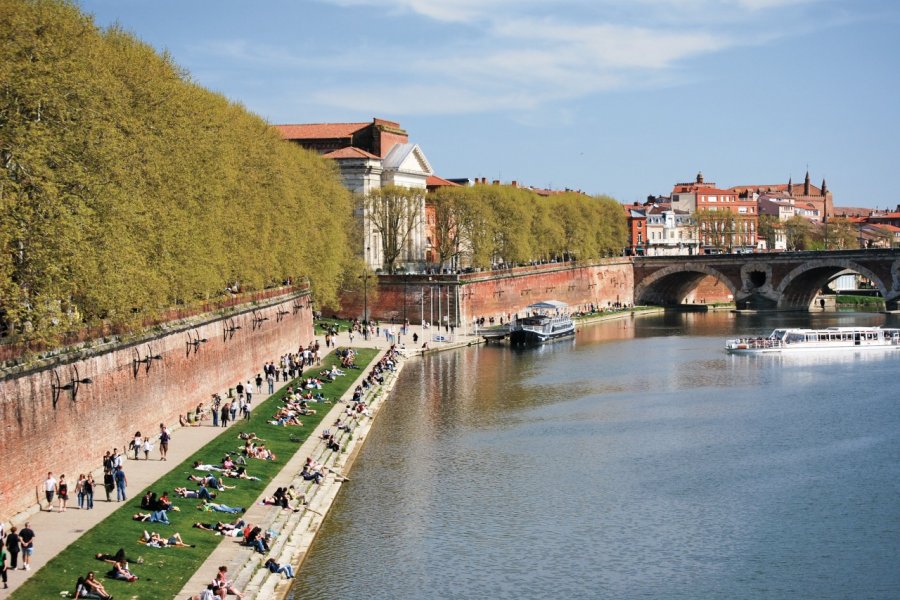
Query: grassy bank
(165,571)
(859,301)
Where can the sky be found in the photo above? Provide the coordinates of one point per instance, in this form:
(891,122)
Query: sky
(617,97)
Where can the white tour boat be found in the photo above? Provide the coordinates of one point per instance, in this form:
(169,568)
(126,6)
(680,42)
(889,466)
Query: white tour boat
(546,320)
(832,338)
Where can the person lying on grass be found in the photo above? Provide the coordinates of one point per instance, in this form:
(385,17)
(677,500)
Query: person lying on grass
(157,516)
(213,506)
(201,493)
(204,467)
(239,473)
(113,558)
(210,481)
(154,540)
(235,529)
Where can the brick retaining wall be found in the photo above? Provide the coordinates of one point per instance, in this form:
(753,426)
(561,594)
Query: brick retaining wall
(71,435)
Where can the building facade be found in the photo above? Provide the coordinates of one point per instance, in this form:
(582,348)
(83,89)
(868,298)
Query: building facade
(372,155)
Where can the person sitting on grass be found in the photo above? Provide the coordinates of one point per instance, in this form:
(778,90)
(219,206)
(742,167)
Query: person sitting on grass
(121,572)
(154,540)
(157,516)
(274,567)
(213,506)
(91,587)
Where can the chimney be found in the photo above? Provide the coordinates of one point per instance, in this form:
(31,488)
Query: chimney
(515,183)
(496,182)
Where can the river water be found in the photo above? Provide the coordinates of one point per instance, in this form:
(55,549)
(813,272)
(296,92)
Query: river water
(636,461)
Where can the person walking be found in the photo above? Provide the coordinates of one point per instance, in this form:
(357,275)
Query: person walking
(164,437)
(239,388)
(234,410)
(88,490)
(109,483)
(248,391)
(26,540)
(226,412)
(79,491)
(148,448)
(137,444)
(49,490)
(62,493)
(259,380)
(245,408)
(121,482)
(13,546)
(216,406)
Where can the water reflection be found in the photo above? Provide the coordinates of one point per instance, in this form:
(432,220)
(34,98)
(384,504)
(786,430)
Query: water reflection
(639,462)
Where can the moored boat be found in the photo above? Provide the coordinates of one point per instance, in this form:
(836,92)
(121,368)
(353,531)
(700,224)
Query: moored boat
(832,338)
(545,321)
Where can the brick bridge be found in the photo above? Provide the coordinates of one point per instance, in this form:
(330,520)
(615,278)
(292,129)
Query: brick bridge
(771,281)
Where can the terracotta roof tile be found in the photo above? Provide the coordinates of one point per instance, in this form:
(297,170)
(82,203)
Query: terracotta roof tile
(435,181)
(319,131)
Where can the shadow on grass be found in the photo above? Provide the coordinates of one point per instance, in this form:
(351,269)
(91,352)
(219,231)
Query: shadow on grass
(165,571)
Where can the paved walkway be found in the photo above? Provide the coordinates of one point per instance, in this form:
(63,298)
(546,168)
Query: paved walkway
(56,531)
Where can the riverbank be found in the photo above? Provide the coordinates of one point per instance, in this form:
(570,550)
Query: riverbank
(163,572)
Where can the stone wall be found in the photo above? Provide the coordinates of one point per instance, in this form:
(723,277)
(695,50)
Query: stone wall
(45,428)
(491,293)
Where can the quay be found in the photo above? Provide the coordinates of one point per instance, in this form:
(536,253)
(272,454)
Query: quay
(296,531)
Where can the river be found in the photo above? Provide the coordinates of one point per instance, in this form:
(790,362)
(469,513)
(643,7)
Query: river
(636,461)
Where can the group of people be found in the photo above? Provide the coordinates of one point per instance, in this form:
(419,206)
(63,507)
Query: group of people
(13,544)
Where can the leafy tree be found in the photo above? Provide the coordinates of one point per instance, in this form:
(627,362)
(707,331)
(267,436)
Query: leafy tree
(394,213)
(126,189)
(797,233)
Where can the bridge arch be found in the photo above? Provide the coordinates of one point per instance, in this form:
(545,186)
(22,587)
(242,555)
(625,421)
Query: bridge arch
(670,285)
(799,288)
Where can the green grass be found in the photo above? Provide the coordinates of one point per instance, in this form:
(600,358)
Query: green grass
(322,324)
(165,571)
(853,300)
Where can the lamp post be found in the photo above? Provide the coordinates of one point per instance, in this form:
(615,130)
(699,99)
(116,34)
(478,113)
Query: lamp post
(365,278)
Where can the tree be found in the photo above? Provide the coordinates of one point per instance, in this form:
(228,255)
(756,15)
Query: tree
(126,189)
(797,233)
(447,210)
(717,229)
(394,213)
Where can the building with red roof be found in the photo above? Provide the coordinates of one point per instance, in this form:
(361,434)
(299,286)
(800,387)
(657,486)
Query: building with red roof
(371,155)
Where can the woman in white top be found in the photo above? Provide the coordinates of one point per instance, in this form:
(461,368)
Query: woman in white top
(137,444)
(148,448)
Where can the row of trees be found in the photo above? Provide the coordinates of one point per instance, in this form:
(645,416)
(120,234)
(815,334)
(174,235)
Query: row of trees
(126,189)
(801,234)
(483,226)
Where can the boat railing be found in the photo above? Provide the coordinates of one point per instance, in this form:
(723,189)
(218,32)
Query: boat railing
(755,343)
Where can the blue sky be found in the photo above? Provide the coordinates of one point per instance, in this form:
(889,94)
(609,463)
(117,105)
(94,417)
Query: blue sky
(623,97)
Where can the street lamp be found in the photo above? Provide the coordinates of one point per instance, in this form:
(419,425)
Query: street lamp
(365,278)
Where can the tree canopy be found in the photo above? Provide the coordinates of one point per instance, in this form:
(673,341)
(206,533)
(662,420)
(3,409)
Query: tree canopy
(488,225)
(126,189)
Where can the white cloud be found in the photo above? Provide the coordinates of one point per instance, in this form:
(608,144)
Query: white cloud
(516,54)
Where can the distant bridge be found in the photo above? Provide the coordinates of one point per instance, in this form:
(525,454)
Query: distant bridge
(783,281)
